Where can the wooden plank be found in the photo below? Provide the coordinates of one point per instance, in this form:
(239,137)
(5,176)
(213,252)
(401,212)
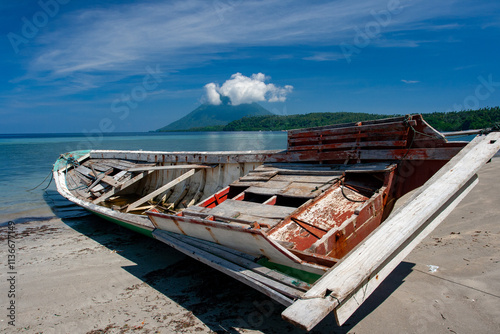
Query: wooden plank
(121,186)
(87,172)
(307,171)
(259,176)
(273,185)
(231,208)
(395,234)
(368,166)
(349,145)
(294,189)
(241,274)
(304,190)
(98,179)
(263,191)
(174,167)
(444,153)
(462,133)
(378,135)
(224,253)
(319,179)
(98,167)
(117,164)
(387,124)
(162,189)
(242,218)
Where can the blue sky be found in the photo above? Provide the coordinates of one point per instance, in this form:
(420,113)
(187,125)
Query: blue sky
(88,66)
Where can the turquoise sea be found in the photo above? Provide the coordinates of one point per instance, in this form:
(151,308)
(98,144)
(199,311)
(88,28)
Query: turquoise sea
(27,159)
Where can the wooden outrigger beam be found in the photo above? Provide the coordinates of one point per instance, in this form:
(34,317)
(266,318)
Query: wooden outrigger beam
(282,293)
(162,189)
(352,280)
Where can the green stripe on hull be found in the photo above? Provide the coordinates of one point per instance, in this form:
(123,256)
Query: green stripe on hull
(131,227)
(297,273)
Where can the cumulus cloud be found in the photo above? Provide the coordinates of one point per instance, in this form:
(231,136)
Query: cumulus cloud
(212,94)
(242,89)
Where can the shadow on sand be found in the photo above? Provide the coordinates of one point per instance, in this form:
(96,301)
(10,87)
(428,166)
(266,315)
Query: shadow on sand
(219,301)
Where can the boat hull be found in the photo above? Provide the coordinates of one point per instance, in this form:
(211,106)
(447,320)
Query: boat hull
(310,227)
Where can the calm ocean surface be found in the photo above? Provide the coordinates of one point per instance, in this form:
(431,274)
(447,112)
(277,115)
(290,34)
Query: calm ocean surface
(25,160)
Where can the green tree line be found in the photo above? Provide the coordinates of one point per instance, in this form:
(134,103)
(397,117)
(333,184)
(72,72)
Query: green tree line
(449,121)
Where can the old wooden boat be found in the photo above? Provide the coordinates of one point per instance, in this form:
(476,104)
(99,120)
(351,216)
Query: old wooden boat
(310,226)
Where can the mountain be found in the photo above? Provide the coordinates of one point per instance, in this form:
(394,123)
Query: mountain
(211,115)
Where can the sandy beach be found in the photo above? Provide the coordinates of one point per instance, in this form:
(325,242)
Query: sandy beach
(86,275)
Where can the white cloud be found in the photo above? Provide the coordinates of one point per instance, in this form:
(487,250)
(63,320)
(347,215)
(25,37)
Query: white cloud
(409,81)
(212,95)
(242,89)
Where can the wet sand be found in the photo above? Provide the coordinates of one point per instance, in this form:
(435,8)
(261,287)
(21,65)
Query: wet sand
(86,275)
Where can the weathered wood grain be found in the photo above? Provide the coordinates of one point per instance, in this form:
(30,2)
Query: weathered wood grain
(162,189)
(120,187)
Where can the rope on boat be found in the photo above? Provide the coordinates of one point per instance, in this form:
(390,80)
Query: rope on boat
(51,178)
(349,199)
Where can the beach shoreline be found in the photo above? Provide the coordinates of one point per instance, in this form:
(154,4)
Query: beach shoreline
(85,275)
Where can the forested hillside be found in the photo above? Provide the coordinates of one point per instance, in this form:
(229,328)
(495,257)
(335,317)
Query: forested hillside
(451,121)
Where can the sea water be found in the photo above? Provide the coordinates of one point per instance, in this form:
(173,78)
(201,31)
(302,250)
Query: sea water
(27,159)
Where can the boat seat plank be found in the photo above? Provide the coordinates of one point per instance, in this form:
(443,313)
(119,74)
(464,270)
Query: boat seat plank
(162,189)
(257,176)
(202,212)
(265,223)
(304,190)
(233,209)
(262,221)
(294,189)
(264,191)
(276,185)
(310,171)
(321,179)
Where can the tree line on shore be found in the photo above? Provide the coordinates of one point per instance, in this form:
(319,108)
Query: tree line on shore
(442,121)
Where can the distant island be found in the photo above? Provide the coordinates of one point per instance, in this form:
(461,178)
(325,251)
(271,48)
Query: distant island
(449,121)
(208,115)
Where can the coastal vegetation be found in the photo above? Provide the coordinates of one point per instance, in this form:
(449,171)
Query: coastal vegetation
(442,121)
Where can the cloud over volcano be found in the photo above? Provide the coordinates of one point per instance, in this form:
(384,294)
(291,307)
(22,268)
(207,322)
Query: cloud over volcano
(242,89)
